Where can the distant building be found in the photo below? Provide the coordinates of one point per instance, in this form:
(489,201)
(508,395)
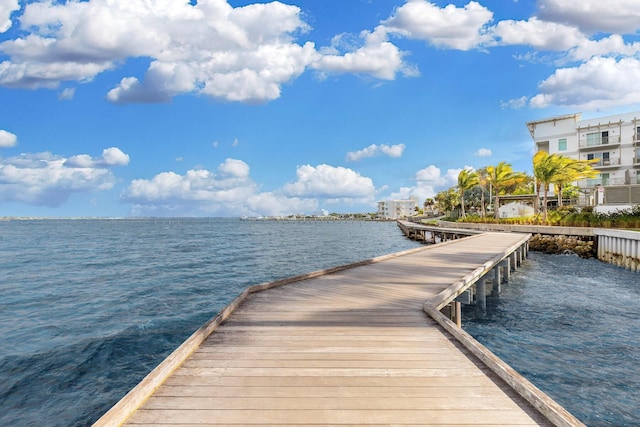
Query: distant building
(613,141)
(395,209)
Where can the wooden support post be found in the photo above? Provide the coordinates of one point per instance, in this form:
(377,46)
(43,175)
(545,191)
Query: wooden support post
(497,280)
(506,263)
(481,294)
(458,311)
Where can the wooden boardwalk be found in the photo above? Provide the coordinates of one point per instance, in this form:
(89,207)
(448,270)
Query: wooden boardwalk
(353,347)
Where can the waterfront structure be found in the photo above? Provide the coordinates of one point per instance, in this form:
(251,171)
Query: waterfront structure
(612,142)
(360,344)
(396,209)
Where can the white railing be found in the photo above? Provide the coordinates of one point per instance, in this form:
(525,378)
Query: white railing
(606,162)
(597,142)
(601,181)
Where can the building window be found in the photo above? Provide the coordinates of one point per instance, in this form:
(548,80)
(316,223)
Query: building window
(597,138)
(562,144)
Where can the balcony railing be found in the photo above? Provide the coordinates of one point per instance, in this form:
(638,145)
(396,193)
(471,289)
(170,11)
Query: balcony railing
(603,163)
(599,142)
(601,181)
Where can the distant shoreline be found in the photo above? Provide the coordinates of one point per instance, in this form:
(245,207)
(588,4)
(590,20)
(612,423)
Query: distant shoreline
(350,217)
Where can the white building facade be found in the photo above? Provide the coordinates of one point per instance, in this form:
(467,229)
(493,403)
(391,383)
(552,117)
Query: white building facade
(395,209)
(613,141)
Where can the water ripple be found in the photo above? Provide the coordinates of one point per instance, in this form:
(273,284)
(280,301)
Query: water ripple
(89,307)
(571,326)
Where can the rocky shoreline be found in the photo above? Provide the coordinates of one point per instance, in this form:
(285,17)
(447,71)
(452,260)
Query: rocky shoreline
(562,245)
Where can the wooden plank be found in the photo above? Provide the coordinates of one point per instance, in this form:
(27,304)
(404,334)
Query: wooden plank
(370,403)
(334,382)
(441,391)
(333,417)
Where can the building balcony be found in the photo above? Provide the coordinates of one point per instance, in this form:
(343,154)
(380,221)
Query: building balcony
(636,161)
(600,143)
(606,164)
(604,182)
(636,140)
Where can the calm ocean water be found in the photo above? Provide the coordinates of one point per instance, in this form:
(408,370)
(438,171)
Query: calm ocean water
(572,327)
(89,307)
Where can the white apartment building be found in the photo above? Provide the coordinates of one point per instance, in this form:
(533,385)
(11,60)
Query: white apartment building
(614,141)
(395,209)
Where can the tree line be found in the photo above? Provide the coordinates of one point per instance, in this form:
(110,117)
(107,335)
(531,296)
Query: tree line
(482,188)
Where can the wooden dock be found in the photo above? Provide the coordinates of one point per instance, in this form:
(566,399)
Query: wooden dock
(347,346)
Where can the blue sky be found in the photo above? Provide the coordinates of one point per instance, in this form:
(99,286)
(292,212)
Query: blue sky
(231,108)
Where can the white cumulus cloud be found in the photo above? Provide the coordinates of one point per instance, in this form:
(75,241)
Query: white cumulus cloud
(230,191)
(211,48)
(598,83)
(331,183)
(239,54)
(377,57)
(110,157)
(461,28)
(374,150)
(45,179)
(612,16)
(7,139)
(428,182)
(543,35)
(6,8)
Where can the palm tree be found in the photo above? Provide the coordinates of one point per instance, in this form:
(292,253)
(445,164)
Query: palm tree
(558,170)
(500,177)
(447,201)
(429,203)
(467,179)
(572,171)
(546,169)
(482,182)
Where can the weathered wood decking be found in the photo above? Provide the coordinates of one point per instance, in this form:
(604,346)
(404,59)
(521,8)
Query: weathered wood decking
(350,347)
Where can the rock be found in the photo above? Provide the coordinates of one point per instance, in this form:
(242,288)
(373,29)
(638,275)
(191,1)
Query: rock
(562,245)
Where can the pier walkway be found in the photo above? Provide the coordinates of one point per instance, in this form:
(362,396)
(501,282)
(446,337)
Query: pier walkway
(346,346)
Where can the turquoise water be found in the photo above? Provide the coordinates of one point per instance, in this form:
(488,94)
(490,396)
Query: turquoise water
(572,327)
(89,307)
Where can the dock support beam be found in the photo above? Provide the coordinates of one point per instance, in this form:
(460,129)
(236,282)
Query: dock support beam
(506,264)
(497,280)
(481,294)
